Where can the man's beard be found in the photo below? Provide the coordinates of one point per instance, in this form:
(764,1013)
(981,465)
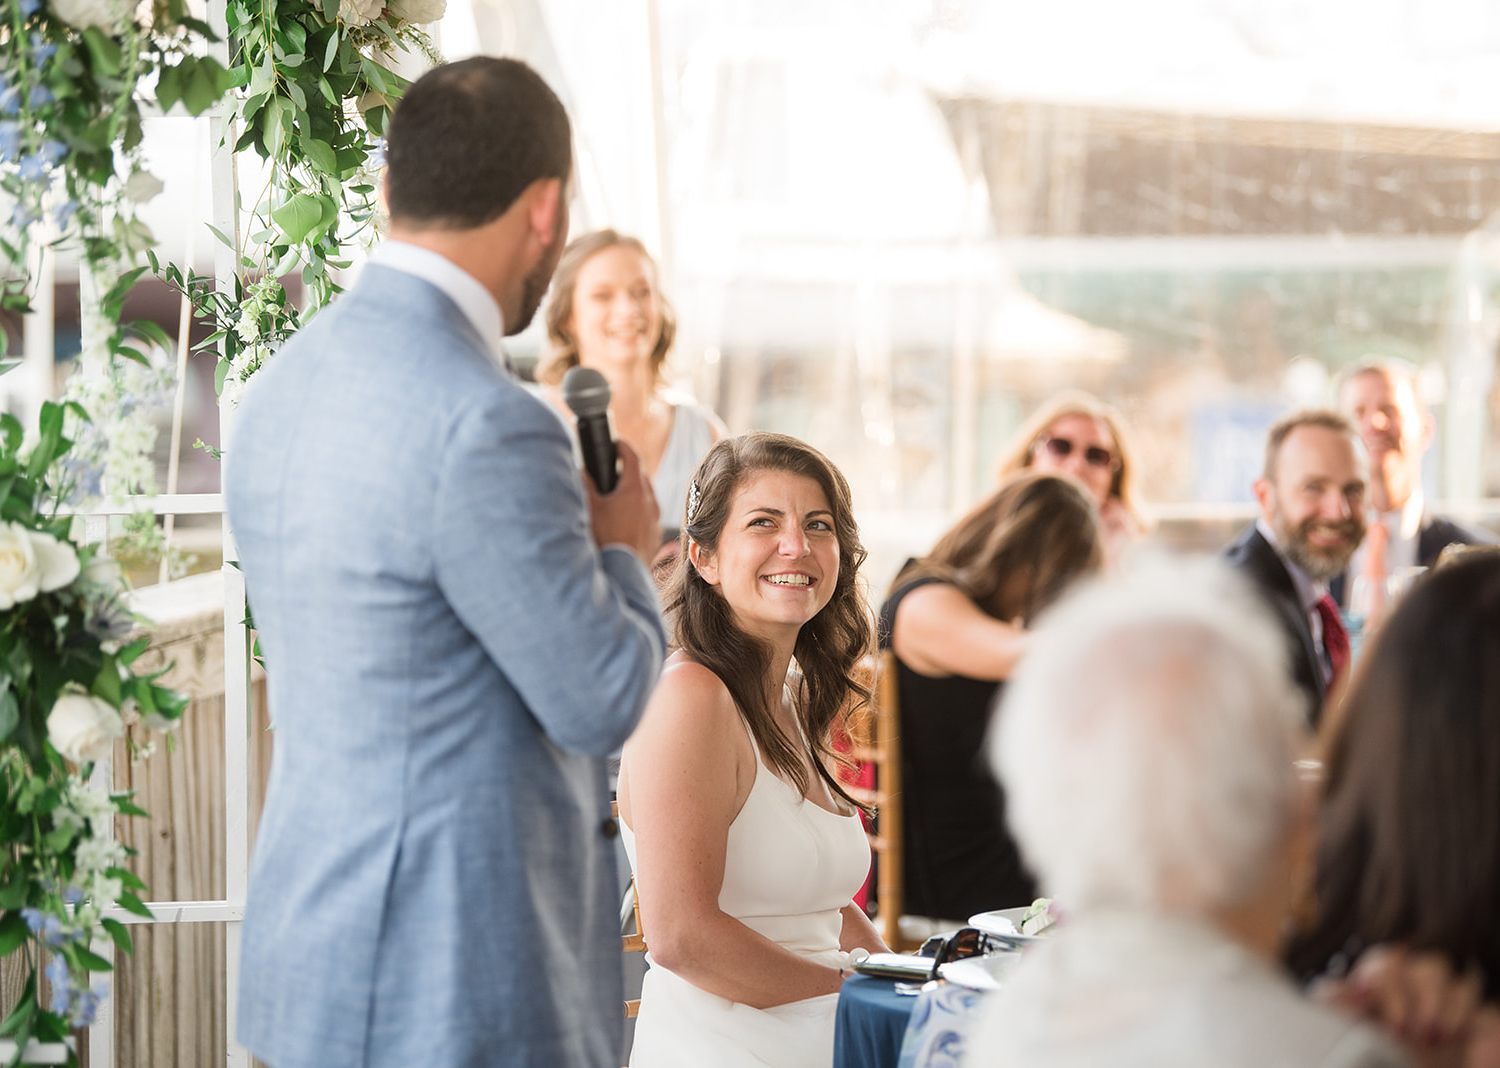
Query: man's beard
(1321,564)
(533,289)
(534,285)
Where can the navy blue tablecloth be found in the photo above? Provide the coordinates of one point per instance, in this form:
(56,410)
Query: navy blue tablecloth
(871,1023)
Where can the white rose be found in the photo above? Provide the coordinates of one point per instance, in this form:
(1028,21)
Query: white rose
(81,14)
(142,186)
(419,12)
(32,562)
(359,12)
(83,728)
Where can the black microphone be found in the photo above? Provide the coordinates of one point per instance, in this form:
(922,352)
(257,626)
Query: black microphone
(586,392)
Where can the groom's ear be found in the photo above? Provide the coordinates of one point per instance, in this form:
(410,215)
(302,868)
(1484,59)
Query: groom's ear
(547,211)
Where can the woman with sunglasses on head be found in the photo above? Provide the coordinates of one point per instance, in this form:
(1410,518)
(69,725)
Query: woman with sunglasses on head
(747,852)
(955,621)
(1076,434)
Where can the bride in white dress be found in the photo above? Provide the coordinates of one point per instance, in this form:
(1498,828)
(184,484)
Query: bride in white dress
(746,850)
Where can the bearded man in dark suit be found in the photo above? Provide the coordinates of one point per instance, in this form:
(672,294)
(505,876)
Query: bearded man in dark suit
(1311,496)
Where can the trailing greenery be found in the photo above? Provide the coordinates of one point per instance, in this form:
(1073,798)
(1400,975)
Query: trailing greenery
(68,692)
(315,87)
(70,131)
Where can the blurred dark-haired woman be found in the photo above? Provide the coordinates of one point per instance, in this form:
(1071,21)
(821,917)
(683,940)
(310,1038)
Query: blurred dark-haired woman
(955,620)
(1408,856)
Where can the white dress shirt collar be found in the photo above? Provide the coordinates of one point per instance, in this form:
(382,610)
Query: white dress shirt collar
(461,287)
(1411,515)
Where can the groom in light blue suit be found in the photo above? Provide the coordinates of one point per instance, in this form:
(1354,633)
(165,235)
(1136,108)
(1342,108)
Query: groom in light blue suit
(456,629)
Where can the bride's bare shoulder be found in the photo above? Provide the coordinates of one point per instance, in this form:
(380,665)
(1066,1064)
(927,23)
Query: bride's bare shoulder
(688,690)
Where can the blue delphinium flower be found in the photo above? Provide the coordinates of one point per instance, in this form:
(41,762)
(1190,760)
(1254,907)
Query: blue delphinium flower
(63,213)
(72,895)
(32,169)
(21,217)
(10,140)
(41,96)
(48,926)
(10,100)
(87,1005)
(30,7)
(41,50)
(53,934)
(53,151)
(377,153)
(57,975)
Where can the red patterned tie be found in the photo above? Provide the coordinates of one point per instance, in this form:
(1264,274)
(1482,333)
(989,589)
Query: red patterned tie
(1335,637)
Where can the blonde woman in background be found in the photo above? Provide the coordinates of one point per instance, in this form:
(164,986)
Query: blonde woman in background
(607,312)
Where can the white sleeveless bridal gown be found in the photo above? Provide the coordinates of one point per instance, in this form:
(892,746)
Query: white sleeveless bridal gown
(790,868)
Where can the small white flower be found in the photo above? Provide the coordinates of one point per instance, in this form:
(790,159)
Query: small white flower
(158,722)
(104,574)
(142,186)
(92,805)
(32,562)
(67,816)
(82,14)
(133,435)
(96,854)
(83,728)
(359,12)
(419,12)
(248,327)
(105,891)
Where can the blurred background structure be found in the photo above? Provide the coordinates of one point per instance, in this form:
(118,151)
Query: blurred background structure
(892,228)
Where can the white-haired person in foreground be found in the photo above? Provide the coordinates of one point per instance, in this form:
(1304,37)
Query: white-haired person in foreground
(1156,798)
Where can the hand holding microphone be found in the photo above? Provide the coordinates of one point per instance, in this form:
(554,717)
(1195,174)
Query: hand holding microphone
(586,393)
(627,515)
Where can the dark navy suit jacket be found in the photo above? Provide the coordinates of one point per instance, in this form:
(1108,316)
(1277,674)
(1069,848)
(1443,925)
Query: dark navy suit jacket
(1254,557)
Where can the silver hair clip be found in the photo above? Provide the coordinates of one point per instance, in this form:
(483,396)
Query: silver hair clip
(695,495)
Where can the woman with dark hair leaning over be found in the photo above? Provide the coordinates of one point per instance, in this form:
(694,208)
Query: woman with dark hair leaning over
(1408,858)
(747,852)
(955,620)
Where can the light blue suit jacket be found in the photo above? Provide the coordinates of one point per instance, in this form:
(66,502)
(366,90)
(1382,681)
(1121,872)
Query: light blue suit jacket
(450,658)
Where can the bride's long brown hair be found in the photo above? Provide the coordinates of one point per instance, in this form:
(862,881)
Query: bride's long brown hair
(828,647)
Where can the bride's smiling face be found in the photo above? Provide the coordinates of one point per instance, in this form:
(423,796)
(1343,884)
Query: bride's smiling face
(777,560)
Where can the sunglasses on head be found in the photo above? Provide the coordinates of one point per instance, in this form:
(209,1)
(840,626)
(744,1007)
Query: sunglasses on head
(1062,448)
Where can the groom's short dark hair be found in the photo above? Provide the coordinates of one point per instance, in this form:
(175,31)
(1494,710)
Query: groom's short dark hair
(468,138)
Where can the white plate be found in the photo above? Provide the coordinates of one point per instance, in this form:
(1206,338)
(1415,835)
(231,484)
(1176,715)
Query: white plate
(1003,924)
(980,973)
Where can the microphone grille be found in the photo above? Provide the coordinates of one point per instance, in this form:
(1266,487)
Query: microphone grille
(585,391)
